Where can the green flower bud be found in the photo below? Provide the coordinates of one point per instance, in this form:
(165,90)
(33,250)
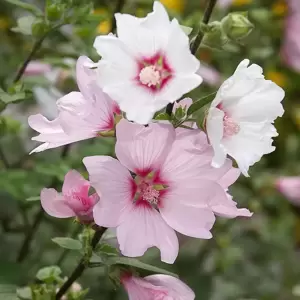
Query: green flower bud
(54,12)
(214,36)
(39,28)
(236,26)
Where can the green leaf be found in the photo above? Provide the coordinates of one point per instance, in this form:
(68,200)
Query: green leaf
(106,249)
(24,293)
(138,264)
(8,292)
(31,199)
(68,243)
(200,103)
(27,6)
(162,116)
(187,30)
(49,274)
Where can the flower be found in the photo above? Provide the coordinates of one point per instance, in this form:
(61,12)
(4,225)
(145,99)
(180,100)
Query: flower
(73,201)
(290,50)
(290,188)
(156,286)
(240,118)
(82,115)
(174,187)
(35,68)
(148,65)
(210,75)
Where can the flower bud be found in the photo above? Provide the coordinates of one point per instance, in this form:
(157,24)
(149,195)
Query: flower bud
(236,26)
(214,36)
(54,12)
(38,28)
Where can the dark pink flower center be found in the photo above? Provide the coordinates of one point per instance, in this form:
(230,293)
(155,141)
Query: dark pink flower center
(81,204)
(154,72)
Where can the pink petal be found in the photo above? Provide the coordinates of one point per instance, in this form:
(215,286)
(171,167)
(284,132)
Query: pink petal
(177,288)
(143,149)
(227,208)
(35,68)
(85,76)
(114,185)
(230,177)
(186,208)
(75,183)
(144,228)
(290,188)
(54,205)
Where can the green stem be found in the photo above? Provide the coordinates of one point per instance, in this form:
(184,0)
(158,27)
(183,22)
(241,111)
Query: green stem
(196,44)
(81,266)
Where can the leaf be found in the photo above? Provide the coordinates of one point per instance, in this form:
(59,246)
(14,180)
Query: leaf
(24,293)
(187,30)
(68,243)
(8,98)
(31,199)
(24,25)
(138,264)
(49,274)
(27,6)
(106,249)
(199,104)
(162,116)
(8,292)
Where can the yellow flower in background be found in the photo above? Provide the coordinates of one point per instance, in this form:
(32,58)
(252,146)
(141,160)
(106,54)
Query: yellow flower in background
(241,2)
(104,27)
(175,5)
(4,23)
(277,77)
(279,8)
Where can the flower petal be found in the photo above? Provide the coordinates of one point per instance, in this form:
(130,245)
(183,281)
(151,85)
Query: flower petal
(144,228)
(143,149)
(114,185)
(74,182)
(54,205)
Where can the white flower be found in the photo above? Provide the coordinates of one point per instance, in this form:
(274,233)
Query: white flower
(240,119)
(148,65)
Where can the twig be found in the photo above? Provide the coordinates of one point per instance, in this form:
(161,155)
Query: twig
(38,218)
(194,47)
(119,6)
(81,266)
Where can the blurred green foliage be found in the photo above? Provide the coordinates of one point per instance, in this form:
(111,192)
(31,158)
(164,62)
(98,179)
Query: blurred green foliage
(255,258)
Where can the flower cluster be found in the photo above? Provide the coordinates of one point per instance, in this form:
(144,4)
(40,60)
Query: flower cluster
(164,179)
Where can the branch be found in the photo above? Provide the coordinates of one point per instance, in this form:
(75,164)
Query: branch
(81,266)
(38,217)
(119,6)
(194,47)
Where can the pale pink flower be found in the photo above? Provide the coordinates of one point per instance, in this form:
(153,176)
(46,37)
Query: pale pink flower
(210,75)
(240,118)
(290,50)
(294,6)
(290,188)
(82,115)
(174,188)
(224,4)
(35,68)
(156,287)
(148,65)
(73,201)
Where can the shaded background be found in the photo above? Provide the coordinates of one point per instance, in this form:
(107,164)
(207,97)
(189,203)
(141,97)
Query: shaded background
(254,258)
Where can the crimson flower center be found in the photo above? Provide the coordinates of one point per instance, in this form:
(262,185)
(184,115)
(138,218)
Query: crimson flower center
(148,193)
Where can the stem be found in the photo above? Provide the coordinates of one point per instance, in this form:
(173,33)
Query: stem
(81,266)
(207,14)
(24,251)
(119,6)
(3,159)
(194,47)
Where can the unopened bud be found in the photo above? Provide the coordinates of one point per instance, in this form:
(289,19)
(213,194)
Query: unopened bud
(39,28)
(214,36)
(54,12)
(236,26)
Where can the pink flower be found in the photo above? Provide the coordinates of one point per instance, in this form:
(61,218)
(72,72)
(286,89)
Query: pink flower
(174,188)
(35,68)
(73,201)
(82,115)
(290,188)
(156,287)
(290,51)
(294,6)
